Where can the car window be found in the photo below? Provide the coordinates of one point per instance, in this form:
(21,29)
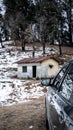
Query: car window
(71,113)
(59,77)
(67,86)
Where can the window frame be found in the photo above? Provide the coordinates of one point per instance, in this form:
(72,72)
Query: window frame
(69,69)
(60,83)
(24,69)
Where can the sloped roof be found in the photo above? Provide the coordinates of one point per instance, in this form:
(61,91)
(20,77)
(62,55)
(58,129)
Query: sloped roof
(35,60)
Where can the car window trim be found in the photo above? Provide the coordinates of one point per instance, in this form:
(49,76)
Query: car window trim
(68,69)
(65,100)
(59,94)
(67,66)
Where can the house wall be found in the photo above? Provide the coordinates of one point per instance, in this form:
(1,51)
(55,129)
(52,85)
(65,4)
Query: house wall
(46,70)
(42,69)
(39,71)
(29,72)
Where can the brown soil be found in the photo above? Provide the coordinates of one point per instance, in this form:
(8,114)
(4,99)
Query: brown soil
(65,49)
(24,116)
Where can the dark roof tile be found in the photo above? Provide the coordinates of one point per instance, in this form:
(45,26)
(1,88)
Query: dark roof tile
(35,60)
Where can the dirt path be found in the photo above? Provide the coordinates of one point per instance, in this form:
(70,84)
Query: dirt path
(25,116)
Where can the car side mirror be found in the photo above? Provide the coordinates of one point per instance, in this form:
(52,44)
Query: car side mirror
(46,82)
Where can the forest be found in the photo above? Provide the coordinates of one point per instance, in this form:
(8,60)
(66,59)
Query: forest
(41,21)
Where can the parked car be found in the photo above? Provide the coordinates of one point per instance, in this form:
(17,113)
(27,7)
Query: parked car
(59,100)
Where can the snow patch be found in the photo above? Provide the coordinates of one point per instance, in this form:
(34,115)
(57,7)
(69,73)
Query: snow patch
(13,90)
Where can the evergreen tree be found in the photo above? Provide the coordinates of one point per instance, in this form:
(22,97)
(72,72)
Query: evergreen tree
(19,15)
(49,17)
(52,19)
(67,30)
(1,24)
(1,29)
(69,10)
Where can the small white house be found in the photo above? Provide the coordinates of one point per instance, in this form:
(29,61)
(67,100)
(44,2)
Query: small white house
(42,67)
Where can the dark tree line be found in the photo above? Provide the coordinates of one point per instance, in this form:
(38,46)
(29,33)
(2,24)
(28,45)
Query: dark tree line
(52,18)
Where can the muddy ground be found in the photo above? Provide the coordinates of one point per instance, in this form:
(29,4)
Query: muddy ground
(24,116)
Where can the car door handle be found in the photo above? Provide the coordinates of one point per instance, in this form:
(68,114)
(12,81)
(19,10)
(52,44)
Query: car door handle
(52,93)
(61,117)
(51,100)
(71,124)
(55,97)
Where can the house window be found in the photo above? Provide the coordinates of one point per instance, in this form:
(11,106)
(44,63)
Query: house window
(24,68)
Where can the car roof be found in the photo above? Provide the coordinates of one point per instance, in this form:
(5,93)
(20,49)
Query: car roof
(71,61)
(68,63)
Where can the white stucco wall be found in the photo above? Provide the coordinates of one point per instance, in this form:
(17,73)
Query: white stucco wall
(29,73)
(44,72)
(20,73)
(38,74)
(47,71)
(42,69)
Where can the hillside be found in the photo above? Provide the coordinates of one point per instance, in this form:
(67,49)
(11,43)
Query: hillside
(14,90)
(22,102)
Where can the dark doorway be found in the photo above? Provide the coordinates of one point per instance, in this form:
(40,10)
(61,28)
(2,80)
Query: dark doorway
(34,71)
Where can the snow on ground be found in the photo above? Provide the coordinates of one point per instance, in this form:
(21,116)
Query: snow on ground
(13,90)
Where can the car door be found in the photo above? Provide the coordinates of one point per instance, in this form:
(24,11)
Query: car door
(66,94)
(56,101)
(53,101)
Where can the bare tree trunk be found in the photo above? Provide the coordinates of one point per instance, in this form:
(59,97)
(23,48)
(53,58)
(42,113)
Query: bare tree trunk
(33,53)
(23,45)
(1,43)
(60,49)
(43,48)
